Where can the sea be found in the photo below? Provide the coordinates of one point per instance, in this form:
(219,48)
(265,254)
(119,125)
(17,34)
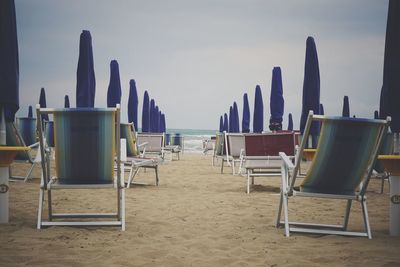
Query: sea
(193,139)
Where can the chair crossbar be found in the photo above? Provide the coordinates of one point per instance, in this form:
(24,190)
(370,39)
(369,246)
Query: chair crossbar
(84,215)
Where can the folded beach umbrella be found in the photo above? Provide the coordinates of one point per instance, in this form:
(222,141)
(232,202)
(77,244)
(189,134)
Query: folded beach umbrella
(230,126)
(162,123)
(152,109)
(276,101)
(114,87)
(258,117)
(390,93)
(133,102)
(30,113)
(66,101)
(85,78)
(146,113)
(226,123)
(156,120)
(246,115)
(9,65)
(42,102)
(236,124)
(376,115)
(321,109)
(311,89)
(290,122)
(221,124)
(346,107)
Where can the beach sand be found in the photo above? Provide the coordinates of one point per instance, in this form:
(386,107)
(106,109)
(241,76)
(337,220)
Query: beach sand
(195,217)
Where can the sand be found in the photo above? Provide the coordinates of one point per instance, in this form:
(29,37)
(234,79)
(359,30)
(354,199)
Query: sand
(195,217)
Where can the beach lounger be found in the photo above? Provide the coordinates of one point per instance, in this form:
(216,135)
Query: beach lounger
(261,154)
(234,146)
(135,160)
(219,150)
(174,145)
(208,145)
(14,138)
(154,143)
(86,142)
(341,169)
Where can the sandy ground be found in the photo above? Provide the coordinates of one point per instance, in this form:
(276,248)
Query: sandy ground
(195,217)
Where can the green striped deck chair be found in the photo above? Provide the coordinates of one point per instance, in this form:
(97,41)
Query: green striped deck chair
(174,144)
(341,169)
(15,138)
(219,150)
(136,160)
(85,152)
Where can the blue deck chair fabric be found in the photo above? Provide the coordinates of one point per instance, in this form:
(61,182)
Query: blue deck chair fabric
(27,129)
(84,146)
(343,153)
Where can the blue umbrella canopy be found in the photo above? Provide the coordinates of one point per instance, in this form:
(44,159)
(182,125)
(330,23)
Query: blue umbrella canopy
(30,113)
(346,107)
(9,65)
(85,78)
(156,119)
(321,109)
(290,122)
(114,87)
(221,124)
(42,102)
(231,119)
(276,101)
(146,113)
(311,88)
(258,117)
(162,123)
(66,101)
(133,103)
(152,115)
(390,93)
(226,123)
(376,114)
(236,124)
(246,115)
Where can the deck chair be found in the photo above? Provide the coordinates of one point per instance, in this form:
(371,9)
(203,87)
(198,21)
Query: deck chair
(208,145)
(219,150)
(261,154)
(14,138)
(154,144)
(136,160)
(386,148)
(341,169)
(174,145)
(234,146)
(86,142)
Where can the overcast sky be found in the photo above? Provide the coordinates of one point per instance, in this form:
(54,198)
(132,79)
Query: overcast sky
(196,57)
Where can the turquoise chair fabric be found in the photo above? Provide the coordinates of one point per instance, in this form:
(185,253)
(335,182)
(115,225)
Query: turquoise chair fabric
(84,145)
(342,156)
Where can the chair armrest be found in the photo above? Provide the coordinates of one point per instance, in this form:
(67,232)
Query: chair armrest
(34,145)
(143,144)
(286,160)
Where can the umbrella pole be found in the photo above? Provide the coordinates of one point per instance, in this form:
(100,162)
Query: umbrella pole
(3,174)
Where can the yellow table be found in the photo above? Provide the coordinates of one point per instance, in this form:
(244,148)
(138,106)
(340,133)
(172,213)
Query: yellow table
(391,164)
(7,154)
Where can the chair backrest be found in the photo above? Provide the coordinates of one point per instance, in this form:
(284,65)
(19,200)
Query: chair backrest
(85,144)
(127,132)
(13,138)
(236,144)
(219,144)
(270,144)
(176,139)
(49,132)
(27,129)
(346,150)
(155,142)
(386,148)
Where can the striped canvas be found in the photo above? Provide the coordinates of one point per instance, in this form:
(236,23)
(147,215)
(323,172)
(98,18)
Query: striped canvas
(344,151)
(84,145)
(131,143)
(219,144)
(27,129)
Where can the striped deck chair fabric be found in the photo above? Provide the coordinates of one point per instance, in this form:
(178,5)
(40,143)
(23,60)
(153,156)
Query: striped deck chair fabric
(234,146)
(27,129)
(341,169)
